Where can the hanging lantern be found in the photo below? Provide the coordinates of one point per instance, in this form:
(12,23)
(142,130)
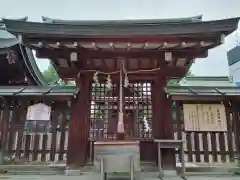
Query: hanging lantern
(11,57)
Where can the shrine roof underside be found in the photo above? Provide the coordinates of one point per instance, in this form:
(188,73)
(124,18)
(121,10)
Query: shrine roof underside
(202,92)
(37,91)
(165,46)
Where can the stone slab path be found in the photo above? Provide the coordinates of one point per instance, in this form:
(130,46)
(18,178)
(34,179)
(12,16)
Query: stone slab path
(97,177)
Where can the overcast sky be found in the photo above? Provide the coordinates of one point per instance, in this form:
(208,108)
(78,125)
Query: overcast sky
(214,65)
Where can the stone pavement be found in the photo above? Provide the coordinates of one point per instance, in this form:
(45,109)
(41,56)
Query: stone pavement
(97,177)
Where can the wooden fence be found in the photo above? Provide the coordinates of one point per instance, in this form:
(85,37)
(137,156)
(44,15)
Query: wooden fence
(51,145)
(199,147)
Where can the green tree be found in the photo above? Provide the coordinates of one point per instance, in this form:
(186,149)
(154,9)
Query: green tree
(50,75)
(52,78)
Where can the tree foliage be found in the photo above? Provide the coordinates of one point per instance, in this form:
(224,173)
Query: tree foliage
(50,75)
(52,78)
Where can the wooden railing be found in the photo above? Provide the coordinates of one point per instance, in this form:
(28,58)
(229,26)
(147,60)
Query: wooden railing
(199,147)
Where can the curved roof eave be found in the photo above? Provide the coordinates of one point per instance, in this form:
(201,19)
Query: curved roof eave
(25,18)
(121,28)
(109,22)
(31,65)
(7,40)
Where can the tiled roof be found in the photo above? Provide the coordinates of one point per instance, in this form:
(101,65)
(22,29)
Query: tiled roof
(37,91)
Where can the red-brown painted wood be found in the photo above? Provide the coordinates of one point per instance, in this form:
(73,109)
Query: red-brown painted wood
(214,146)
(189,147)
(79,124)
(178,119)
(22,120)
(4,128)
(36,143)
(230,131)
(63,133)
(54,121)
(11,130)
(162,120)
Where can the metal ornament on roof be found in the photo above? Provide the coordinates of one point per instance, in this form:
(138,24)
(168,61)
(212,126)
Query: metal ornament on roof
(11,57)
(38,118)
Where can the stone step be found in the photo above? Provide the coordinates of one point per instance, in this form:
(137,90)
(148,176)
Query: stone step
(34,173)
(31,170)
(208,174)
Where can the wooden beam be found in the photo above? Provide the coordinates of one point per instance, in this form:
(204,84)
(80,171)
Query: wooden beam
(151,54)
(167,71)
(198,98)
(133,39)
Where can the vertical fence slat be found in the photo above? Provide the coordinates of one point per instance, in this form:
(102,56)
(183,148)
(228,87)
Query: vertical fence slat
(222,146)
(27,146)
(229,133)
(44,147)
(5,120)
(13,115)
(36,143)
(214,146)
(205,146)
(197,147)
(21,128)
(189,146)
(55,115)
(236,125)
(62,140)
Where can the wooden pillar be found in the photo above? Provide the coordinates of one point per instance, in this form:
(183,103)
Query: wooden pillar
(79,123)
(236,125)
(162,119)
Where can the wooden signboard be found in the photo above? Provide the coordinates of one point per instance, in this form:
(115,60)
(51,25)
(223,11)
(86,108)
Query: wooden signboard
(205,117)
(38,112)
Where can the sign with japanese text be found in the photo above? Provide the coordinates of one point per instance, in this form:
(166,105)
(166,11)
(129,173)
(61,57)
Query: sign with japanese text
(205,117)
(39,112)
